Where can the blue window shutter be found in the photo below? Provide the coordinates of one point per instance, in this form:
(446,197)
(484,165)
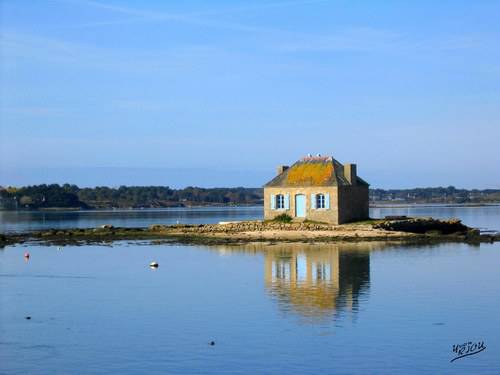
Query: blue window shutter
(327,200)
(287,201)
(313,201)
(273,202)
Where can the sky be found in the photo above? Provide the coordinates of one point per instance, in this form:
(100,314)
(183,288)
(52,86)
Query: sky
(218,93)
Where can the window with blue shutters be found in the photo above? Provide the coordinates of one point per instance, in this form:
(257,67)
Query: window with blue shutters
(280,201)
(320,201)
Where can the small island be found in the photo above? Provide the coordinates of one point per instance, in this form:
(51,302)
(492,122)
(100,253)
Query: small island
(281,229)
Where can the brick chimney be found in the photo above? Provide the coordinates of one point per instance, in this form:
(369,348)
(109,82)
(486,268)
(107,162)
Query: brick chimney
(350,173)
(282,168)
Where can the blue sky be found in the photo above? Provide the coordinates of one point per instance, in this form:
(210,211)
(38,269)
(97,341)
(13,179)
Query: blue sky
(218,93)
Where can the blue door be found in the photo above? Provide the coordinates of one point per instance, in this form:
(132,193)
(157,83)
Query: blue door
(300,205)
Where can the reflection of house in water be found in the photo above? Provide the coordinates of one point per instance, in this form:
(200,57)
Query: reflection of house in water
(318,281)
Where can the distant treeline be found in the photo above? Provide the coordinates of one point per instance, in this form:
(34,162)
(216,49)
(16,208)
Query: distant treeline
(448,194)
(71,196)
(65,196)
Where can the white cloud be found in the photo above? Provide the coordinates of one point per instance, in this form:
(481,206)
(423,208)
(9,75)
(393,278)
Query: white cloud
(18,48)
(204,19)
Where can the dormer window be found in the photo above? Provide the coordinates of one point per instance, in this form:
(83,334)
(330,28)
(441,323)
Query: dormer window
(320,201)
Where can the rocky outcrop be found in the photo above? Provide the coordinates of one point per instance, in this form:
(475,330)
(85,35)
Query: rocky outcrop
(244,226)
(426,226)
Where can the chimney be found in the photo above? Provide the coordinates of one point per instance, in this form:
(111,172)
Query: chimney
(350,173)
(282,168)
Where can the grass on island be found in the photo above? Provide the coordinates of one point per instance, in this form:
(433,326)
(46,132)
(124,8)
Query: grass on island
(283,218)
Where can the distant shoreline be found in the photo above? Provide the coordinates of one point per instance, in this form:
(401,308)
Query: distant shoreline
(55,197)
(243,205)
(121,209)
(409,205)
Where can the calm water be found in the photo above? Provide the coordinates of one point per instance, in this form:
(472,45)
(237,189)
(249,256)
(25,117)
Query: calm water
(15,221)
(271,309)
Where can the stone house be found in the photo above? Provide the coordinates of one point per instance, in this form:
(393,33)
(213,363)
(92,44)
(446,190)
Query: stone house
(317,188)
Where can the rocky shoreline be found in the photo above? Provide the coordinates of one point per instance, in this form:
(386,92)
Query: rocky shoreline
(400,229)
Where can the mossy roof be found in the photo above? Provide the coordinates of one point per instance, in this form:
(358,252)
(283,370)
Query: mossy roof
(313,171)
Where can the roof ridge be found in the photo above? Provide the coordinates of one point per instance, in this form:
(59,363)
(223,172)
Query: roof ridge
(317,158)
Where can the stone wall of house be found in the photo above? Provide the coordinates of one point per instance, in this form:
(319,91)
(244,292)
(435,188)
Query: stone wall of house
(347,203)
(324,215)
(353,203)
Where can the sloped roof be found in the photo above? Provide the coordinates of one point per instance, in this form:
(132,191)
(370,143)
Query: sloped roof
(313,171)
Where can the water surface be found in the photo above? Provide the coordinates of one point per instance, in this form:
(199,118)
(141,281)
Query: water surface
(20,221)
(270,308)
